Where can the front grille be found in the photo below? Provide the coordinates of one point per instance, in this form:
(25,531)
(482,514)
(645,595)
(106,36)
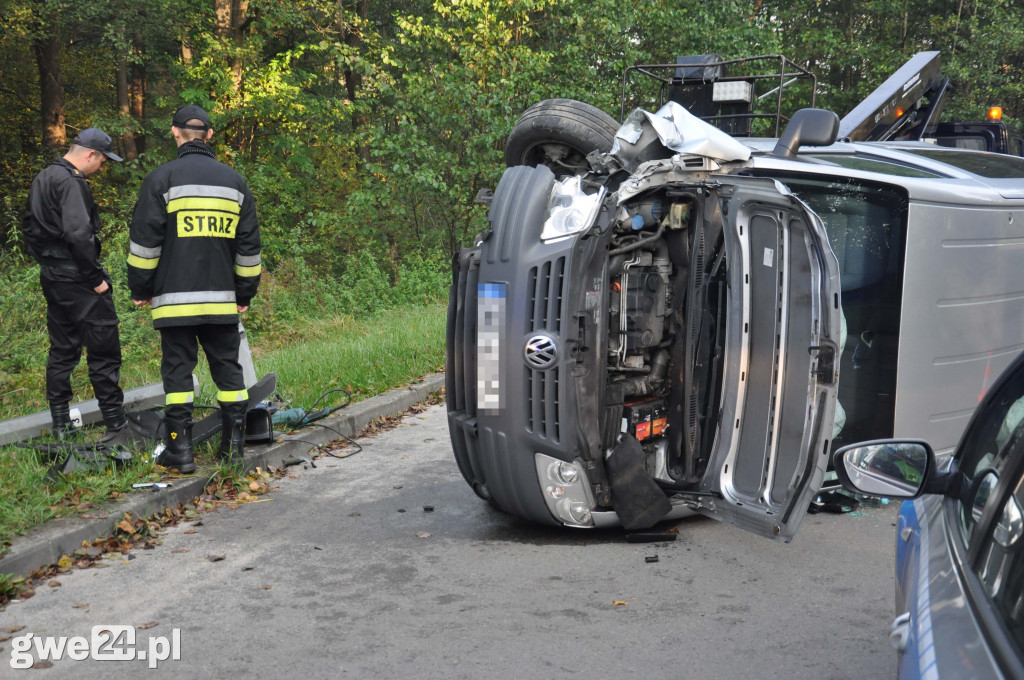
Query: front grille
(543,407)
(544,305)
(545,290)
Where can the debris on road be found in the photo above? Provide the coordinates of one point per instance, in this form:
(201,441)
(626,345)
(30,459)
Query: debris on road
(651,536)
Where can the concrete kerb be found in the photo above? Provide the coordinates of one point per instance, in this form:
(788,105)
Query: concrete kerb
(46,544)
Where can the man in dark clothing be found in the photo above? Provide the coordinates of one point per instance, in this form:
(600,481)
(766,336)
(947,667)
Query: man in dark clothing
(195,258)
(61,228)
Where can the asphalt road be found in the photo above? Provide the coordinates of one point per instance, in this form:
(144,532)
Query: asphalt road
(343,574)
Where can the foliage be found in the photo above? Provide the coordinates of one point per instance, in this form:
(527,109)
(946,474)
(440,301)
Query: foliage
(365,130)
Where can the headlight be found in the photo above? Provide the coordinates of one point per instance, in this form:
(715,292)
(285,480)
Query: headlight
(566,490)
(570,211)
(566,473)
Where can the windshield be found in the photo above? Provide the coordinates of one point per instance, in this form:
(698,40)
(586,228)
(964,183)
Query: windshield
(984,164)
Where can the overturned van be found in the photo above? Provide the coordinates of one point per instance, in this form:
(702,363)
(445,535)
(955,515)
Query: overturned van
(692,321)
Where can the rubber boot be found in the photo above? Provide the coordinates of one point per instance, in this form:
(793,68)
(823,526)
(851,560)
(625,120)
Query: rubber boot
(177,453)
(117,425)
(232,432)
(60,415)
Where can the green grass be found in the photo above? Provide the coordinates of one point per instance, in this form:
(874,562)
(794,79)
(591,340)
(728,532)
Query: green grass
(366,356)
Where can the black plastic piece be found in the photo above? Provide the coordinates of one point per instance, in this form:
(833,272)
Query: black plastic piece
(636,497)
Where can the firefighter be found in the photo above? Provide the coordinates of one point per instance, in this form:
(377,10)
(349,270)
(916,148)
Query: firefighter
(61,227)
(194,258)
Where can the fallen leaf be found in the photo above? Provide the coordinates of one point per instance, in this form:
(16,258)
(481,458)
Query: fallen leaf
(64,562)
(180,550)
(4,638)
(147,626)
(619,603)
(114,555)
(254,486)
(215,558)
(54,583)
(423,534)
(266,587)
(191,531)
(13,629)
(42,664)
(81,605)
(126,526)
(233,506)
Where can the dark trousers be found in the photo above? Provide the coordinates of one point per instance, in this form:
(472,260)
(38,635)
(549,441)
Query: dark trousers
(77,317)
(180,346)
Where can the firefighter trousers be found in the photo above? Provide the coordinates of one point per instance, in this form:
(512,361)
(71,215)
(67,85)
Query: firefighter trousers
(78,317)
(180,345)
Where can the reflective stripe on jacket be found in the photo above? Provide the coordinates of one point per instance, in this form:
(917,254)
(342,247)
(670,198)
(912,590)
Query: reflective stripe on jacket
(194,242)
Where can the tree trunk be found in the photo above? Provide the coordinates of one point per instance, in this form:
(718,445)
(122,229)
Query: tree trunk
(231,24)
(352,36)
(51,88)
(123,107)
(137,92)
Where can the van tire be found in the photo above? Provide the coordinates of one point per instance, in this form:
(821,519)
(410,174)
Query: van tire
(559,133)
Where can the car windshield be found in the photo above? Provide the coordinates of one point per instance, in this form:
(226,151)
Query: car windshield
(872,164)
(986,447)
(985,164)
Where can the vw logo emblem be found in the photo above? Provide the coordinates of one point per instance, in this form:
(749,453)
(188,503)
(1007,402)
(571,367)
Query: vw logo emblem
(541,352)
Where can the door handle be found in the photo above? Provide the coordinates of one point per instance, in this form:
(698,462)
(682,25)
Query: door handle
(899,632)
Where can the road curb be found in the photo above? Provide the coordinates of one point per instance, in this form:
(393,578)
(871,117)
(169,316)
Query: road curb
(46,544)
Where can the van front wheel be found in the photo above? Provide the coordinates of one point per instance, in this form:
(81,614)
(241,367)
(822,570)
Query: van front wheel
(559,133)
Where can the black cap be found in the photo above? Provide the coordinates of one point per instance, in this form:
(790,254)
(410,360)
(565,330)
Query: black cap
(97,140)
(190,112)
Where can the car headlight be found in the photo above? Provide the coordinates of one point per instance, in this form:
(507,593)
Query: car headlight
(570,211)
(566,490)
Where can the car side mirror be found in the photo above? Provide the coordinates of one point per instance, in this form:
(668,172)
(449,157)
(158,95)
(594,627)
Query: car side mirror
(807,127)
(891,468)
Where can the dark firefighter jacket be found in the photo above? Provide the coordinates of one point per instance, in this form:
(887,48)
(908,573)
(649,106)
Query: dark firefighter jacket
(194,241)
(61,223)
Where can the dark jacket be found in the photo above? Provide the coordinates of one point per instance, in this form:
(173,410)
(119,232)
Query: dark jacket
(195,241)
(61,224)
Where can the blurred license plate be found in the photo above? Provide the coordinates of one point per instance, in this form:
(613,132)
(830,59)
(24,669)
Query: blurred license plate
(490,328)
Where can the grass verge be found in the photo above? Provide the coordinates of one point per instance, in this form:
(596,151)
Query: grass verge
(366,357)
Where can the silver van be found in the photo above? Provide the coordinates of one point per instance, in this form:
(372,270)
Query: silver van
(691,322)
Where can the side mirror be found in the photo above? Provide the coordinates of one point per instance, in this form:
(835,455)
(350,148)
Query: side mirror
(891,468)
(807,127)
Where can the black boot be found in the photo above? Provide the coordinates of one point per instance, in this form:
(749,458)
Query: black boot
(232,432)
(60,414)
(117,425)
(177,453)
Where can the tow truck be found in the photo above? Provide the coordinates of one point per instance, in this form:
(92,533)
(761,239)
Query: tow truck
(908,106)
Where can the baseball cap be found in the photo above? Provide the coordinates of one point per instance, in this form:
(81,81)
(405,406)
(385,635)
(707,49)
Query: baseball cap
(97,140)
(189,112)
